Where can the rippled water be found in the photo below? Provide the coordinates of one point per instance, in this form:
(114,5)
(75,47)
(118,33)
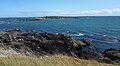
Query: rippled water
(103,31)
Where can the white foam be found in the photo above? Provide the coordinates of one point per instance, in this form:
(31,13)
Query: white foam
(68,31)
(57,33)
(80,34)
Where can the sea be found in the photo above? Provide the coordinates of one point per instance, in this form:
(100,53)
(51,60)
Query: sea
(102,31)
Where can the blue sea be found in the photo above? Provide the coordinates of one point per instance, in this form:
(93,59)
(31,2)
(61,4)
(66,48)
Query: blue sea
(103,31)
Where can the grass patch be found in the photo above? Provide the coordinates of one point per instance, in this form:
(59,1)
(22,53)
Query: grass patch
(56,60)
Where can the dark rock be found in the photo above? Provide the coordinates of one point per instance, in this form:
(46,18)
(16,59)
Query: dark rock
(90,55)
(112,54)
(40,43)
(87,42)
(94,55)
(18,30)
(106,60)
(119,40)
(111,49)
(1,39)
(7,38)
(119,50)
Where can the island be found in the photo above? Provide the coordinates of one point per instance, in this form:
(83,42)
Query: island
(25,19)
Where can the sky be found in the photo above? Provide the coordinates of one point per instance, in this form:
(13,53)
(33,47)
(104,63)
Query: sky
(38,8)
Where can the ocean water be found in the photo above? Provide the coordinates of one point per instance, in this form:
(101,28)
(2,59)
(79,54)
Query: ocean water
(103,31)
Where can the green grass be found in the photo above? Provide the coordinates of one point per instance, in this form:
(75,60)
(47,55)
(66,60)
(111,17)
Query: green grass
(56,60)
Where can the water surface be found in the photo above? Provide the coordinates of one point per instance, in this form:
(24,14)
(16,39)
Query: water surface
(103,31)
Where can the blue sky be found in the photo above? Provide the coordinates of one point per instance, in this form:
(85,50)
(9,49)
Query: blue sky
(33,8)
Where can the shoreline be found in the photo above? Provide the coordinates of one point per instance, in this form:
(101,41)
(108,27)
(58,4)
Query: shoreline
(43,43)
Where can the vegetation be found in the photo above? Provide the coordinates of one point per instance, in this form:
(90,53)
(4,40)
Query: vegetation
(56,60)
(34,18)
(58,17)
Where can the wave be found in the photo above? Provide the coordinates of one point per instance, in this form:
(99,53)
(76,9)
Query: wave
(1,22)
(79,34)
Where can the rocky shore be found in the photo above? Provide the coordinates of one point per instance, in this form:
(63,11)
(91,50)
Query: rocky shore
(39,43)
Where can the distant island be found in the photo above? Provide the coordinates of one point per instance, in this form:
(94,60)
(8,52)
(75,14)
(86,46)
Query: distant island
(34,18)
(59,17)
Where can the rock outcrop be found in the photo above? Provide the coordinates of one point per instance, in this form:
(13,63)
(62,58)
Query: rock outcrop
(43,43)
(39,43)
(112,54)
(87,42)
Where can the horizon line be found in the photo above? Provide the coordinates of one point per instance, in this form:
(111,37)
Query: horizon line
(63,16)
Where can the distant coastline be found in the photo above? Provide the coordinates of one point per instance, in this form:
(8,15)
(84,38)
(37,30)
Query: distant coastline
(25,19)
(34,18)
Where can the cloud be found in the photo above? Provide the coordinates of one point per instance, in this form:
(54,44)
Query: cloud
(101,12)
(96,12)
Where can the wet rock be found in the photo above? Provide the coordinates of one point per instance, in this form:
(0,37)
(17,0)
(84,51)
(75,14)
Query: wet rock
(87,42)
(18,30)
